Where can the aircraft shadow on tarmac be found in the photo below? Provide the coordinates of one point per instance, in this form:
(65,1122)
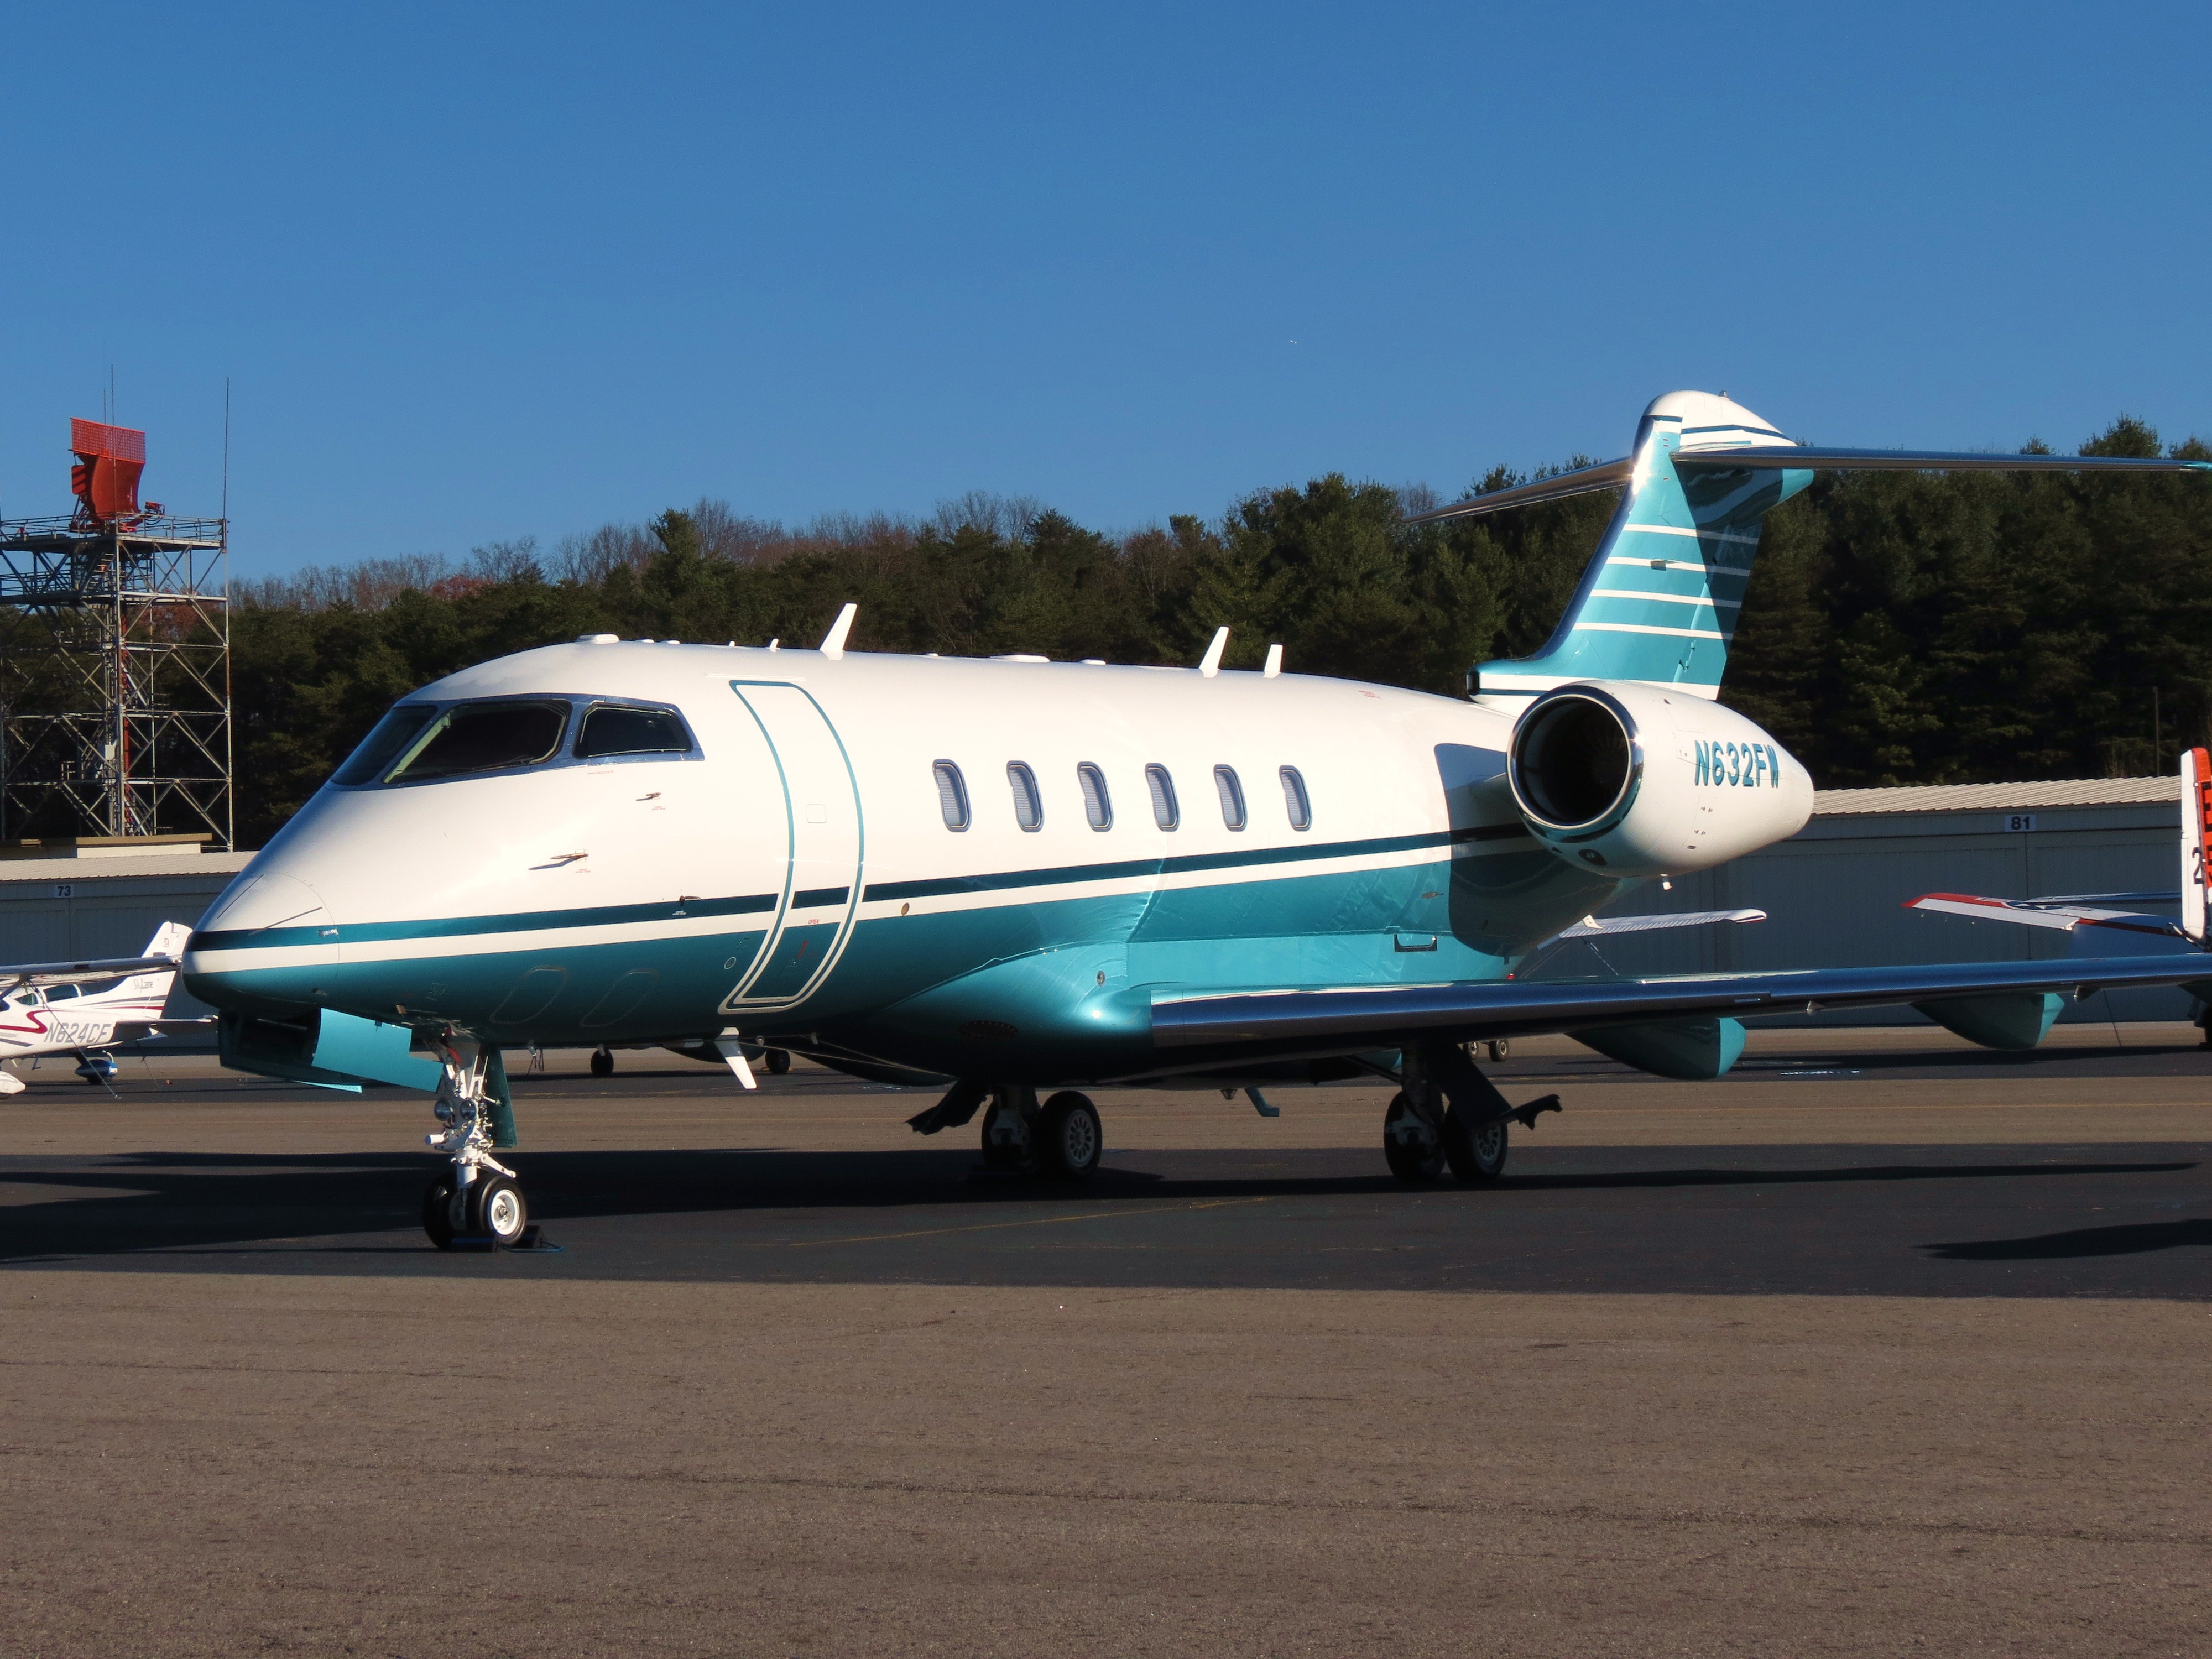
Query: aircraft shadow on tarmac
(159,1201)
(2139,1238)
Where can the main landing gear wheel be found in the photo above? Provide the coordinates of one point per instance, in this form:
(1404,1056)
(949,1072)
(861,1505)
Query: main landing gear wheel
(1473,1154)
(1069,1138)
(438,1216)
(603,1063)
(1499,1047)
(1409,1145)
(779,1060)
(497,1210)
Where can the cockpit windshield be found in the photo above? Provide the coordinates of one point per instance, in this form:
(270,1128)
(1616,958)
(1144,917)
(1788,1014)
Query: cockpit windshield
(399,728)
(421,743)
(485,737)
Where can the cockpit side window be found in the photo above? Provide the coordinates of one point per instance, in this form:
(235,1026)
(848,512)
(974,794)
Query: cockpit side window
(612,731)
(400,726)
(485,737)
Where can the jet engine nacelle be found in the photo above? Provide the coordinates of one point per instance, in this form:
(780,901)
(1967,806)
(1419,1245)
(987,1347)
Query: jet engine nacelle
(1635,781)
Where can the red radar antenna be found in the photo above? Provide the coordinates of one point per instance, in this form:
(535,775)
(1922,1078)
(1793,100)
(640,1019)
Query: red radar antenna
(105,480)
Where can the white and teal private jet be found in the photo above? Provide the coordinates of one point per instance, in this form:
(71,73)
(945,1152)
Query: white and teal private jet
(1021,878)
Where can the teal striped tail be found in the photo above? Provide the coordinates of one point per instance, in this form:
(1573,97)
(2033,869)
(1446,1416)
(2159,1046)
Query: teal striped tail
(1660,601)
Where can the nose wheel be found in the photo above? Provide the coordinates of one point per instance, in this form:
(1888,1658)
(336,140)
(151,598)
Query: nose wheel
(479,1203)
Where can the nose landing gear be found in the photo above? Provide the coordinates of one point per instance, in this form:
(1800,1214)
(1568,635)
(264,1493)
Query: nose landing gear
(479,1204)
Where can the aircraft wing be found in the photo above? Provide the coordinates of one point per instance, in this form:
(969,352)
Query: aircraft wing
(1289,1023)
(71,973)
(137,1030)
(2057,914)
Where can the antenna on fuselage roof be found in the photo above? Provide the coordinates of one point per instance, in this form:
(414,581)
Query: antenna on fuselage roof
(1275,661)
(1210,664)
(832,642)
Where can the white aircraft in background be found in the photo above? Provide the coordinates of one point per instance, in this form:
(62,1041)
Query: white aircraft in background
(2111,931)
(86,1008)
(1016,876)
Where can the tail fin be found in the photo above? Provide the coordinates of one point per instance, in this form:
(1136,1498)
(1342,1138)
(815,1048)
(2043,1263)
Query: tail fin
(2196,828)
(1660,601)
(168,940)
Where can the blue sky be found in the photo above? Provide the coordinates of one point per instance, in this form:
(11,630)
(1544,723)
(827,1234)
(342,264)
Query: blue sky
(477,272)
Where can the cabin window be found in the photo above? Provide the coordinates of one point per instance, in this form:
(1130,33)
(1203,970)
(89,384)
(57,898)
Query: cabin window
(399,728)
(1232,796)
(1294,800)
(1098,805)
(952,795)
(485,737)
(1164,800)
(610,731)
(1029,805)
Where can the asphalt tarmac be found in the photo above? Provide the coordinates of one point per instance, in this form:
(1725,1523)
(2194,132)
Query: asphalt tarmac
(1882,1345)
(2062,1217)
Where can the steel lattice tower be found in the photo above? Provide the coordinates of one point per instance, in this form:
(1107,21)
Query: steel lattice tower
(114,664)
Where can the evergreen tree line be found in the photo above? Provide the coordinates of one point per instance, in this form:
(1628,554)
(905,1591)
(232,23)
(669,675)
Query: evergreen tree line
(1899,628)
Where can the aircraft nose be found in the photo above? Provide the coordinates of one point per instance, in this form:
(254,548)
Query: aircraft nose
(265,945)
(272,900)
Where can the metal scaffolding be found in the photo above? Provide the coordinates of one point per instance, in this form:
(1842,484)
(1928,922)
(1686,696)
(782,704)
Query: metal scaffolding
(114,677)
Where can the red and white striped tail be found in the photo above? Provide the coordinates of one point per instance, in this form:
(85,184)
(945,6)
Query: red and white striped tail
(2195,830)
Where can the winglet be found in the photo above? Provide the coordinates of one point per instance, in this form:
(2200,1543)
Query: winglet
(832,642)
(2196,827)
(1210,664)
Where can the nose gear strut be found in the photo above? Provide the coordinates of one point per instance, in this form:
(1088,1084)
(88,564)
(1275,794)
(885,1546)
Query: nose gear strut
(479,1205)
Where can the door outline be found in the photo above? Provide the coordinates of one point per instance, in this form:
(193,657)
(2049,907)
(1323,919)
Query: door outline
(736,1001)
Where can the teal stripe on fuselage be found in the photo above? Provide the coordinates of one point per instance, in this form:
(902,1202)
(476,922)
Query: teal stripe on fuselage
(932,887)
(520,921)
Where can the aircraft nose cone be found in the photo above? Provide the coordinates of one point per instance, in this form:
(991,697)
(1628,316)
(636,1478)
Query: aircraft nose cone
(266,901)
(264,945)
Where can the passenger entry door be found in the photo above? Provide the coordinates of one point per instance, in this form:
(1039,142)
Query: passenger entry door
(822,875)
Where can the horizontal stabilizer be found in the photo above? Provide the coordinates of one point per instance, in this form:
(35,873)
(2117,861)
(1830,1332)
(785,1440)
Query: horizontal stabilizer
(1917,460)
(1609,475)
(1613,474)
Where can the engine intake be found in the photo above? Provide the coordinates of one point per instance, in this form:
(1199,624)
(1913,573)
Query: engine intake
(1575,760)
(1640,781)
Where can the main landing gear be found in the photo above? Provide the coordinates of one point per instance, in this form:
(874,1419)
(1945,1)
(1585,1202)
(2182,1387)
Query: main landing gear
(479,1203)
(1060,1140)
(1448,1114)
